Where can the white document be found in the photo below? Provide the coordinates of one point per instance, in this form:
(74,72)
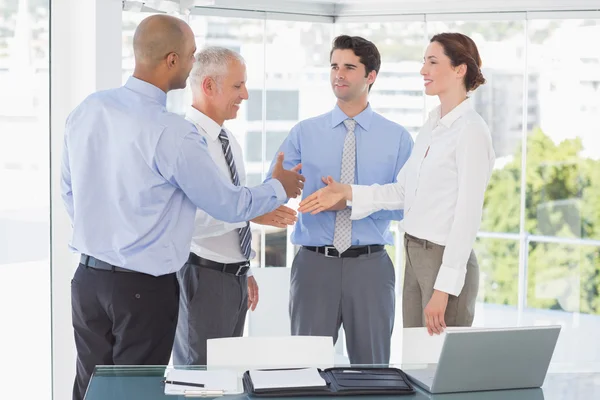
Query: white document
(420,348)
(217,380)
(288,378)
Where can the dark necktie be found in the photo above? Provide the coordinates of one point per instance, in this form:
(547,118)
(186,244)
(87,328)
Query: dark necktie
(245,234)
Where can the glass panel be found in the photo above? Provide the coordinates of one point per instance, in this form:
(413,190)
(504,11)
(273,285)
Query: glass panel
(254,145)
(275,247)
(563,167)
(499,101)
(282,105)
(564,277)
(498,261)
(563,288)
(25,199)
(563,182)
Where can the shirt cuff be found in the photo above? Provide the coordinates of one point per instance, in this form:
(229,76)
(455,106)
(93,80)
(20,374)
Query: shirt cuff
(362,201)
(249,273)
(450,280)
(279,190)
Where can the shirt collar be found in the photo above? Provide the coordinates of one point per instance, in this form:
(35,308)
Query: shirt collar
(363,119)
(453,115)
(147,89)
(209,126)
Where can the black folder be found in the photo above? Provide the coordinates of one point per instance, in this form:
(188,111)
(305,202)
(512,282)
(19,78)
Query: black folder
(343,382)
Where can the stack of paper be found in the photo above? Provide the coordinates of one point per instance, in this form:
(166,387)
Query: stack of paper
(287,378)
(218,380)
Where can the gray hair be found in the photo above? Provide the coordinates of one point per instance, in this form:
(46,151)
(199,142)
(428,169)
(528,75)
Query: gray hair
(212,62)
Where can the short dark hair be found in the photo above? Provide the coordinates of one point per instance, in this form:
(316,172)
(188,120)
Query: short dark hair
(365,50)
(461,49)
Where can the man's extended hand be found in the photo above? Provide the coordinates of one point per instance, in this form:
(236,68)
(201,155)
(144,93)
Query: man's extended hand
(252,293)
(292,181)
(280,218)
(434,312)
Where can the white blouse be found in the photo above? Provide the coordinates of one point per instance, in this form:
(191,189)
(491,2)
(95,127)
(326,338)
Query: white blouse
(441,188)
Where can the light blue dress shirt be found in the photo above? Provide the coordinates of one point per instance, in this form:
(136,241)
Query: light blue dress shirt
(382,148)
(133,175)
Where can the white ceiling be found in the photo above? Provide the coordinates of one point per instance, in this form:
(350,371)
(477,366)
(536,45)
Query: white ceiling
(378,7)
(354,8)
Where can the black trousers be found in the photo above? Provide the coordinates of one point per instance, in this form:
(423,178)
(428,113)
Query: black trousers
(121,318)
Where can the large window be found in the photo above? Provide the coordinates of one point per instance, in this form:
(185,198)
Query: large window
(539,242)
(24,202)
(563,168)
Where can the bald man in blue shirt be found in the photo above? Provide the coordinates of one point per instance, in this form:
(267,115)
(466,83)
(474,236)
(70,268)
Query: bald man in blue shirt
(133,176)
(342,273)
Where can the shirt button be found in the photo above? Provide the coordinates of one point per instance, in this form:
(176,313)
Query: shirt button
(137,296)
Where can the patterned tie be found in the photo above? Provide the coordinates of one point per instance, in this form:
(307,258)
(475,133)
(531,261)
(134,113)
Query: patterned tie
(245,234)
(342,237)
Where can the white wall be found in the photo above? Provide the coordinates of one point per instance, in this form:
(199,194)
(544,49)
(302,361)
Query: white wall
(85,57)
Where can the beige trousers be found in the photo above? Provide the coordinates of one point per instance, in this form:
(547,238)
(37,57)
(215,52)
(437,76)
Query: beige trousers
(423,261)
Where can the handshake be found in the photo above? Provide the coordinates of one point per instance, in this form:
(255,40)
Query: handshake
(293,183)
(330,198)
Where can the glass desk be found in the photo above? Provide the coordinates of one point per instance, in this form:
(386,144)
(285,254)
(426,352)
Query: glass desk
(145,383)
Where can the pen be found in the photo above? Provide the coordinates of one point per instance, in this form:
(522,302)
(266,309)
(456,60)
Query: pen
(184,383)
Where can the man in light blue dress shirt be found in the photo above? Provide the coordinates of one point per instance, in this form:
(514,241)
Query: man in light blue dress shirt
(133,175)
(342,274)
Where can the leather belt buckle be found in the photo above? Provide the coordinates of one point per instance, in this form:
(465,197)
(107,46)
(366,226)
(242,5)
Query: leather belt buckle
(241,269)
(326,252)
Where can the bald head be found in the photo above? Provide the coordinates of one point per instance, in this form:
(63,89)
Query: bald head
(157,36)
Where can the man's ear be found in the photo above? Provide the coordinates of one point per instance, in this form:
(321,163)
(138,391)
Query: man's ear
(208,85)
(371,76)
(172,59)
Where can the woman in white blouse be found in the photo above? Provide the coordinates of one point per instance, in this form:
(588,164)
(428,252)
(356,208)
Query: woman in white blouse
(441,189)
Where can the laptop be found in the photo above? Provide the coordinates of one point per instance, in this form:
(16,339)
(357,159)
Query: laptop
(489,359)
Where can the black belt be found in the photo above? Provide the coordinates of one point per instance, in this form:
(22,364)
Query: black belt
(89,261)
(355,251)
(237,269)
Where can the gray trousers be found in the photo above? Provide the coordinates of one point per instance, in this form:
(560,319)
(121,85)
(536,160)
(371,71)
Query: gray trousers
(212,304)
(357,292)
(423,262)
